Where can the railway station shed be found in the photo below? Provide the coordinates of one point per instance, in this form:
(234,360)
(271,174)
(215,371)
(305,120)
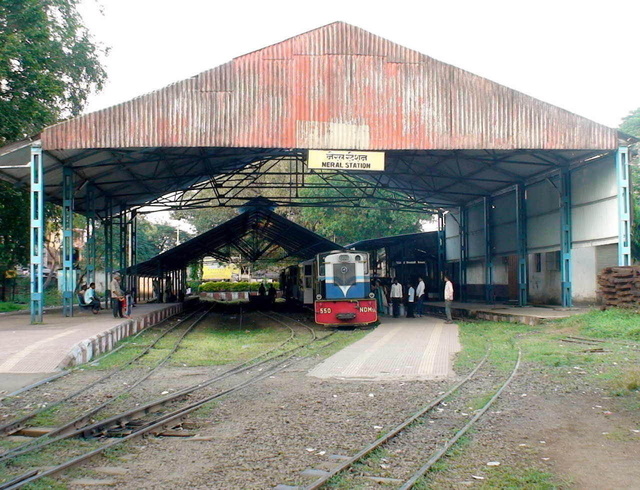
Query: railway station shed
(405,257)
(255,233)
(531,198)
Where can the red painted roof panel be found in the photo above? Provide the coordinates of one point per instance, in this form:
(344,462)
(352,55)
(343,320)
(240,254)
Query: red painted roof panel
(336,87)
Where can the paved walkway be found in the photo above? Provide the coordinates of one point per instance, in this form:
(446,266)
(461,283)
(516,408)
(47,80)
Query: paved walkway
(63,341)
(529,315)
(399,349)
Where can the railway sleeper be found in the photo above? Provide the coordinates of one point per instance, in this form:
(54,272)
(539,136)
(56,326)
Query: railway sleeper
(33,431)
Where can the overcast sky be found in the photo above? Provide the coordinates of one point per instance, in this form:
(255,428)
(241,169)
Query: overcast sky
(581,58)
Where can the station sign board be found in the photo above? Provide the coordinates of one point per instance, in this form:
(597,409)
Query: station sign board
(346,160)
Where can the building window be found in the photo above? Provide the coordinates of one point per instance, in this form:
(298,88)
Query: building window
(538,262)
(553,261)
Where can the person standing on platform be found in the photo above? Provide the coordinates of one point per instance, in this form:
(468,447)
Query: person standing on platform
(117,295)
(396,297)
(411,298)
(272,295)
(381,299)
(448,298)
(420,297)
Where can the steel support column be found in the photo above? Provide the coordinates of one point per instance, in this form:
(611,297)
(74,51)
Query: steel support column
(108,253)
(37,235)
(442,250)
(488,251)
(624,214)
(68,279)
(521,230)
(122,242)
(464,251)
(90,255)
(565,237)
(132,237)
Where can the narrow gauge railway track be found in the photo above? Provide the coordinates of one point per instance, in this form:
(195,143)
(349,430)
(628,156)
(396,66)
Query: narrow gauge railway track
(18,424)
(86,416)
(321,481)
(129,425)
(77,425)
(99,359)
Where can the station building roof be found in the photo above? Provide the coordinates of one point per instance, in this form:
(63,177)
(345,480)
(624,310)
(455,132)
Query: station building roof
(255,233)
(450,136)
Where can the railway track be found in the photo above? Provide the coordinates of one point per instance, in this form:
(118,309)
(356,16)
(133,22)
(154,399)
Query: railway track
(402,430)
(62,431)
(23,421)
(149,419)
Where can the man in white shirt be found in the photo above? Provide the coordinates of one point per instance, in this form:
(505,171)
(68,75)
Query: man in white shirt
(90,297)
(396,297)
(420,293)
(411,298)
(448,298)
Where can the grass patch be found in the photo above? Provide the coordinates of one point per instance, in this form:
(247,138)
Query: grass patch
(48,456)
(213,344)
(8,306)
(518,478)
(48,418)
(500,337)
(614,323)
(45,484)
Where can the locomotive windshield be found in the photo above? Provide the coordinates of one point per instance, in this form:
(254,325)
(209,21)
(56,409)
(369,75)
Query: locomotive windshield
(344,274)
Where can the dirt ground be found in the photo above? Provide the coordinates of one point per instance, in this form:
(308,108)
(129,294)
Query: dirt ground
(271,432)
(545,431)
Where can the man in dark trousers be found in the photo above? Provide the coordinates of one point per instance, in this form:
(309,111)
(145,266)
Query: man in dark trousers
(411,298)
(396,297)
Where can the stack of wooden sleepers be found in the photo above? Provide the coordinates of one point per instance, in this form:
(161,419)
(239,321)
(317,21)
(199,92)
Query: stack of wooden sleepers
(620,286)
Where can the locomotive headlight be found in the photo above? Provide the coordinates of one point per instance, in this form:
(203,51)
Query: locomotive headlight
(318,296)
(371,295)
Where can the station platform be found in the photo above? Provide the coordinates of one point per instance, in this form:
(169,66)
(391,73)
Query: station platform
(529,315)
(62,342)
(399,349)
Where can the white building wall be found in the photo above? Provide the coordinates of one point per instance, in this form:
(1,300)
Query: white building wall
(594,224)
(452,227)
(584,274)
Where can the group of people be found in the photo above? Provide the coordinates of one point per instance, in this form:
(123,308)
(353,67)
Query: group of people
(415,297)
(271,293)
(89,296)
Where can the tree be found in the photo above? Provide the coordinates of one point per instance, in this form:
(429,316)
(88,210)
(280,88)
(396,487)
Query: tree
(371,219)
(14,226)
(631,125)
(153,239)
(49,64)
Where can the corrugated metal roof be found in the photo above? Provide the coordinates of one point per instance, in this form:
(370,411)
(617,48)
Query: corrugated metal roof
(336,87)
(253,234)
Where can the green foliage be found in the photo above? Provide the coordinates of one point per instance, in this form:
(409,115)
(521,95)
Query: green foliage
(614,323)
(631,125)
(153,239)
(371,218)
(4,306)
(49,64)
(207,218)
(211,287)
(14,226)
